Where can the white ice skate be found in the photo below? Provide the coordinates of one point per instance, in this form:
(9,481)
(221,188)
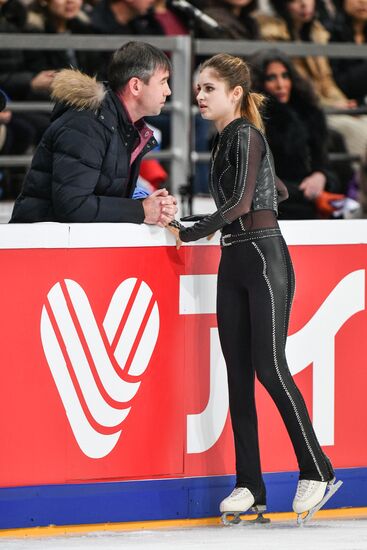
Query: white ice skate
(238,502)
(311,495)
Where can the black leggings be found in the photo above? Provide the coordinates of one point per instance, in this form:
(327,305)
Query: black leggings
(255,292)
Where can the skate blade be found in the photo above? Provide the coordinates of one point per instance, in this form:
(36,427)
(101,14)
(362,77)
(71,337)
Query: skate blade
(330,491)
(234,518)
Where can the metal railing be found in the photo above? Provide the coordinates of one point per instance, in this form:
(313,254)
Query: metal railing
(180,47)
(294,49)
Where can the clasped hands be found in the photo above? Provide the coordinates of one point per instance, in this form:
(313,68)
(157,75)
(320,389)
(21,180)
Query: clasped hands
(160,209)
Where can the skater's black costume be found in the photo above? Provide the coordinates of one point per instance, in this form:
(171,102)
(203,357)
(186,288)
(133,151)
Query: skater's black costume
(255,292)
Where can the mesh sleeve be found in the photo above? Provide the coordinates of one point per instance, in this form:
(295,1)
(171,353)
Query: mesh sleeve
(249,149)
(246,154)
(282,191)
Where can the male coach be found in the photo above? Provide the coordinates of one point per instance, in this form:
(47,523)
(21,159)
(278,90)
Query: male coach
(87,163)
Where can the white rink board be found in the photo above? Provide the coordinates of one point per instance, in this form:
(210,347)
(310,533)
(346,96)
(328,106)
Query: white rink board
(115,235)
(317,535)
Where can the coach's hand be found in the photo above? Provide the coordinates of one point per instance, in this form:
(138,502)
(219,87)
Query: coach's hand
(159,208)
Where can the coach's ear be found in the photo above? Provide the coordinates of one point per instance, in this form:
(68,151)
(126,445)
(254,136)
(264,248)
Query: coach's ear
(135,85)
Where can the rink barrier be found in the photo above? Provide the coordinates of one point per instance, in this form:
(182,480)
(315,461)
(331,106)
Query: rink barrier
(174,456)
(89,528)
(152,500)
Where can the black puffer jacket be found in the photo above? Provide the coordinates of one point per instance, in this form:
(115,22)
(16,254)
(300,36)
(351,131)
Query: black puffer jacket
(81,169)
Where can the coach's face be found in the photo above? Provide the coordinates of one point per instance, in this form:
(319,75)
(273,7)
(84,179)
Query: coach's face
(153,95)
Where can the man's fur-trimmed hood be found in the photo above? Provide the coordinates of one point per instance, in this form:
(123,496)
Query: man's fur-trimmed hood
(78,90)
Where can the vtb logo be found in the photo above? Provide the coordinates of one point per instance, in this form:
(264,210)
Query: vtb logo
(98,369)
(313,344)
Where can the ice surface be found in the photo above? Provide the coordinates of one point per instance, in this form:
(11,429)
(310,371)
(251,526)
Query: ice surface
(317,535)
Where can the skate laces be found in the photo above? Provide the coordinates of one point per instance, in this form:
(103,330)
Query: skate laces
(239,492)
(304,487)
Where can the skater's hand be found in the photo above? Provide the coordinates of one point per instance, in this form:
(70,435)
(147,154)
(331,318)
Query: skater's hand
(176,233)
(209,237)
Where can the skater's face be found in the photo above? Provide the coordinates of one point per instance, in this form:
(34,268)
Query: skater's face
(277,82)
(216,101)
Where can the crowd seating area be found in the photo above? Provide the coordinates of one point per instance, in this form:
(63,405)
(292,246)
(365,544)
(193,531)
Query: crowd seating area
(315,116)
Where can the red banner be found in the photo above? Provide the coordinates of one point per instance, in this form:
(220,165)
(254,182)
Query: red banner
(111,366)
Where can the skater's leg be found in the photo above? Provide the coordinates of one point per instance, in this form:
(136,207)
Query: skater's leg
(234,332)
(270,303)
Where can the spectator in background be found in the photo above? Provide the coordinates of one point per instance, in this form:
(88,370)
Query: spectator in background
(171,21)
(16,135)
(16,132)
(33,77)
(60,17)
(296,20)
(296,131)
(351,74)
(234,18)
(2,135)
(351,26)
(28,75)
(124,17)
(363,190)
(3,100)
(168,22)
(326,13)
(13,12)
(16,78)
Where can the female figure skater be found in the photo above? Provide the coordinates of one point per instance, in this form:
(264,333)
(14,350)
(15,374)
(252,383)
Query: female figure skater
(255,287)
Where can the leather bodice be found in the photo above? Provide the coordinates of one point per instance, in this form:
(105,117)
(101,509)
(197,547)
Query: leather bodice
(242,180)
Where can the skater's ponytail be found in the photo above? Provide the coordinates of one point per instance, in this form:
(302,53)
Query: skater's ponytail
(235,72)
(250,108)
